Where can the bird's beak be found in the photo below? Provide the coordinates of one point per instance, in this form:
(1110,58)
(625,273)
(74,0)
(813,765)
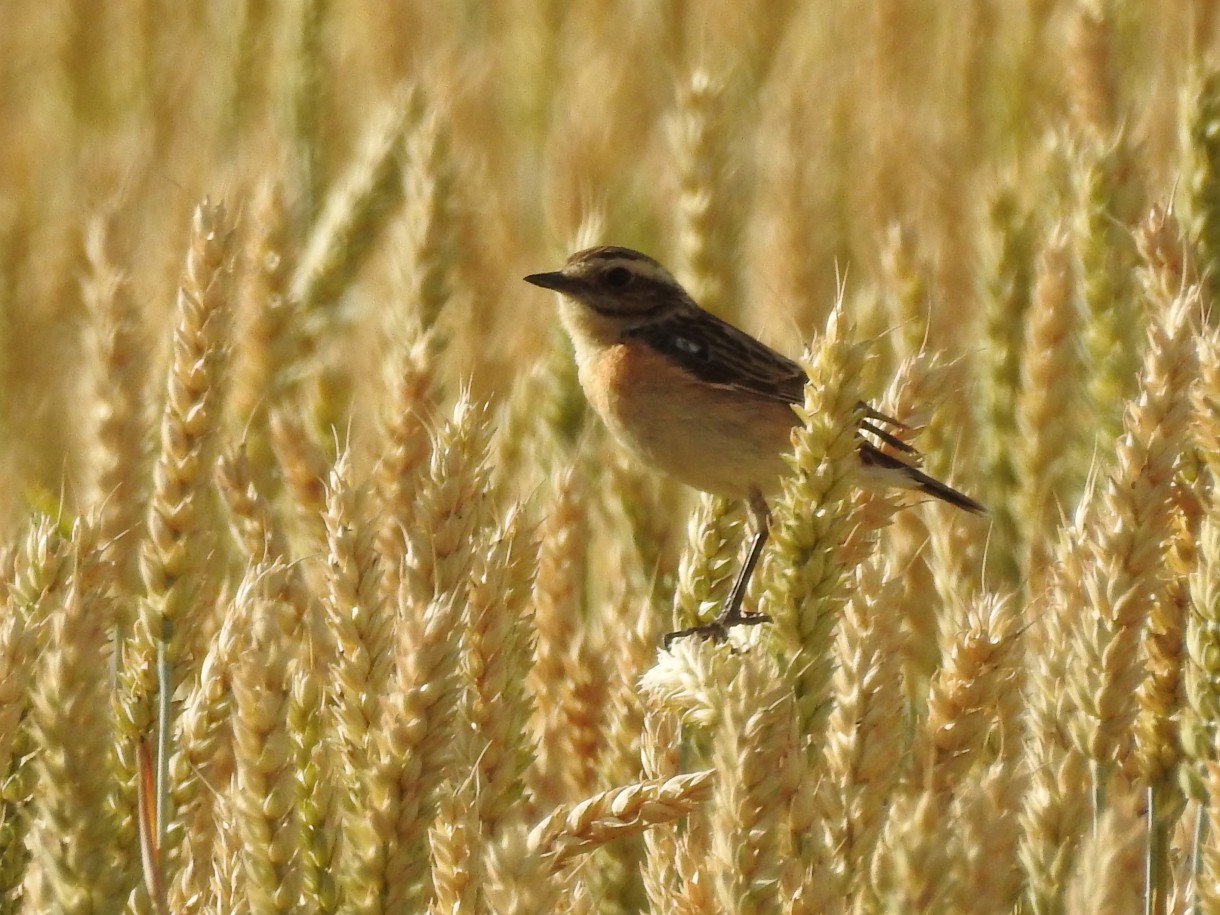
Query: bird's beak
(557,281)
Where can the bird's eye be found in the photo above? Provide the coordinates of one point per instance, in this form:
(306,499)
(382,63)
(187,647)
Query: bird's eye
(617,277)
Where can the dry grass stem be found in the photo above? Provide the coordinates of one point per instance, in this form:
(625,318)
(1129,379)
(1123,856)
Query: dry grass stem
(118,462)
(860,758)
(805,578)
(711,204)
(1120,583)
(618,813)
(1046,423)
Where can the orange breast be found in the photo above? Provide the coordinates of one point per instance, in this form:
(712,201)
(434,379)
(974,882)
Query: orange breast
(708,436)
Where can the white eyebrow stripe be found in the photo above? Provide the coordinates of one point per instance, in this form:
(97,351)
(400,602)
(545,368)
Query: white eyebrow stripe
(650,272)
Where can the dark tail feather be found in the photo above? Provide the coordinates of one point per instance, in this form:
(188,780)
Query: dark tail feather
(872,457)
(944,492)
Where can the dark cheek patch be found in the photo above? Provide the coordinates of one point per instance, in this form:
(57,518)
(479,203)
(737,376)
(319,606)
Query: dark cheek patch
(647,299)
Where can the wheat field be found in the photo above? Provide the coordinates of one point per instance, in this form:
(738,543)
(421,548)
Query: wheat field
(324,591)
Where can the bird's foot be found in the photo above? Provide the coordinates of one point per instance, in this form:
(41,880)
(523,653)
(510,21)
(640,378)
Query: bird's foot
(717,629)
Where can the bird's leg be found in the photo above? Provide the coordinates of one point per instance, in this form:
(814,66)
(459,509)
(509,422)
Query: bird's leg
(731,614)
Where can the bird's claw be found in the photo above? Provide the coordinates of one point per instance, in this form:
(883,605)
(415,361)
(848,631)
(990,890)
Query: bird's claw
(717,629)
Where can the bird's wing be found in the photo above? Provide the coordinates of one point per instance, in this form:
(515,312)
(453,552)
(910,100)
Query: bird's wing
(718,353)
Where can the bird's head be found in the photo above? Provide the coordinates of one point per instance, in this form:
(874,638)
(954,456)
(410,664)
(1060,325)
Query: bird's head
(612,290)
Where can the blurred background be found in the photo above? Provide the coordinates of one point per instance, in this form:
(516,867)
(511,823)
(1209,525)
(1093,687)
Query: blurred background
(916,152)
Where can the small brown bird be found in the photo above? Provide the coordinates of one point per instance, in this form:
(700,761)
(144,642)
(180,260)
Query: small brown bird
(696,398)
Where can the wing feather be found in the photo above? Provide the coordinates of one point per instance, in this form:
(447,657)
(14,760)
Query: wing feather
(716,352)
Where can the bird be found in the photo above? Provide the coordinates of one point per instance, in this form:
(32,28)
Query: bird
(698,399)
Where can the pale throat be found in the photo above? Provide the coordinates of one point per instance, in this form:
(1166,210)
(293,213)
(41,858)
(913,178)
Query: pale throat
(590,332)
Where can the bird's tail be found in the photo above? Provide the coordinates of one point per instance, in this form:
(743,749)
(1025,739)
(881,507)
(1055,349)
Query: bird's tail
(909,477)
